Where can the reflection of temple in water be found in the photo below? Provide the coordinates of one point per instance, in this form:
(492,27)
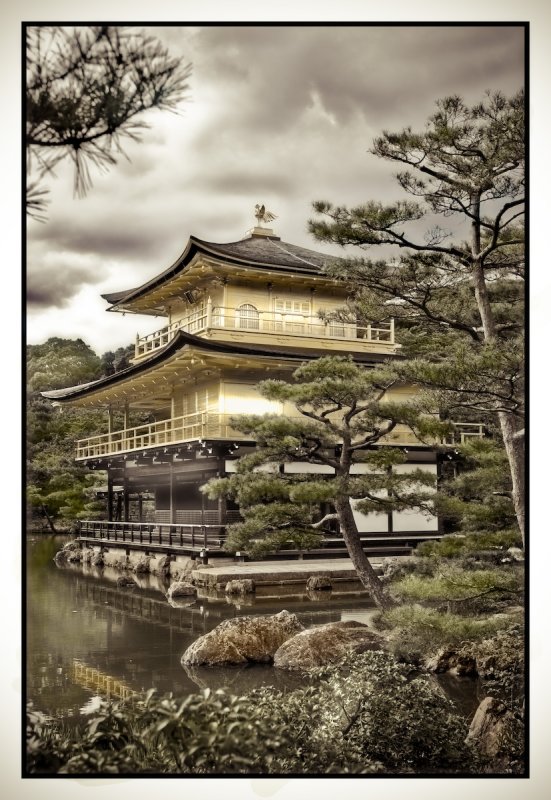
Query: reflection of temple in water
(90,638)
(100,682)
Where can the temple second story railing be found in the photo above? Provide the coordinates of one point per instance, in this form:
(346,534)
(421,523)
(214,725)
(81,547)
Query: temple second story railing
(187,428)
(213,425)
(247,318)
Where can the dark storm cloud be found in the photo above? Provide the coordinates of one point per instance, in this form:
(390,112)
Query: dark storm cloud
(271,73)
(241,182)
(123,237)
(56,286)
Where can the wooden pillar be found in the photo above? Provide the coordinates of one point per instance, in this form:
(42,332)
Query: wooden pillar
(126,501)
(171,494)
(110,499)
(222,502)
(140,507)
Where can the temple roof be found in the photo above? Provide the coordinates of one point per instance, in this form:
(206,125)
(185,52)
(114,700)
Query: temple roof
(182,340)
(258,251)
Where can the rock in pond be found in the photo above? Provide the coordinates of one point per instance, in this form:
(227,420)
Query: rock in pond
(243,586)
(181,589)
(327,644)
(126,582)
(319,583)
(70,553)
(242,640)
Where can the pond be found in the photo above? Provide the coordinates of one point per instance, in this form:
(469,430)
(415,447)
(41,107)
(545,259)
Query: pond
(87,638)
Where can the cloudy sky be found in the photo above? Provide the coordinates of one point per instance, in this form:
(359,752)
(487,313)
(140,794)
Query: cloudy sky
(281,115)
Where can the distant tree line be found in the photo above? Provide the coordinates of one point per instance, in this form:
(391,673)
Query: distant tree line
(60,491)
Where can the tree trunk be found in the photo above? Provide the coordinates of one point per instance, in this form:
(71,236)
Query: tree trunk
(515,455)
(50,521)
(365,571)
(513,446)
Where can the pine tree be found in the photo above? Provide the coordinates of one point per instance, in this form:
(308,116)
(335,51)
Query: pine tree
(344,417)
(465,289)
(87,88)
(58,489)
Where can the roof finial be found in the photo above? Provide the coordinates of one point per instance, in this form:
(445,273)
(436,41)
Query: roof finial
(262,215)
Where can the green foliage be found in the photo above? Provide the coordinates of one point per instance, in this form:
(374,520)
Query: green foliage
(364,716)
(458,295)
(477,495)
(455,586)
(417,632)
(58,489)
(59,363)
(341,412)
(86,90)
(460,546)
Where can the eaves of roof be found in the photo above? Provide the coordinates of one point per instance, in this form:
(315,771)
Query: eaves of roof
(182,340)
(260,252)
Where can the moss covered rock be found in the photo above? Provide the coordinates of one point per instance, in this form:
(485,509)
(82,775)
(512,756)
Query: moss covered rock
(327,644)
(242,640)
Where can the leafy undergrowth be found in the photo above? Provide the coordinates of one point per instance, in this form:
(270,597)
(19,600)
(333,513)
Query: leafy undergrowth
(417,632)
(367,716)
(455,546)
(465,590)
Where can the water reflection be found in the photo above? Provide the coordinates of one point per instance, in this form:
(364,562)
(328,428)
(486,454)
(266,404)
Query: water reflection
(86,637)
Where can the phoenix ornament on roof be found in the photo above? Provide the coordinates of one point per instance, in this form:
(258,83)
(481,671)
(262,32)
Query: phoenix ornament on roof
(262,215)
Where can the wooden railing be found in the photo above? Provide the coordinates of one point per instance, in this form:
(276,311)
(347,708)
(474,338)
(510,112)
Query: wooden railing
(210,317)
(463,431)
(209,425)
(187,428)
(196,537)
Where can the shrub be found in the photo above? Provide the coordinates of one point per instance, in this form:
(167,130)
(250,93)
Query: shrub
(452,584)
(453,546)
(418,632)
(364,716)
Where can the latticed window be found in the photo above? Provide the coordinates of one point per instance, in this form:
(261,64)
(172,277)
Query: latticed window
(247,316)
(292,307)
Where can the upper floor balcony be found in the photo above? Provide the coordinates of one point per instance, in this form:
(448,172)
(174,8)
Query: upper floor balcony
(250,321)
(212,426)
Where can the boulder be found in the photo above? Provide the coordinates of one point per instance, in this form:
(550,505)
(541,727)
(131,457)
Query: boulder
(142,565)
(181,589)
(243,586)
(242,640)
(327,644)
(160,566)
(490,724)
(70,553)
(97,559)
(319,583)
(447,659)
(125,581)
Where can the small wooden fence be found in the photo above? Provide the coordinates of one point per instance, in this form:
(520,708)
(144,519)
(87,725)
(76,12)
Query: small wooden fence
(188,536)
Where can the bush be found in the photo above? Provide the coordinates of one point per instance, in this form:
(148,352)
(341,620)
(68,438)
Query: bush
(454,546)
(419,632)
(396,568)
(462,588)
(364,716)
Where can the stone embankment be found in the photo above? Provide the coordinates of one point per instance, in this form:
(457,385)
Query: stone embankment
(261,578)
